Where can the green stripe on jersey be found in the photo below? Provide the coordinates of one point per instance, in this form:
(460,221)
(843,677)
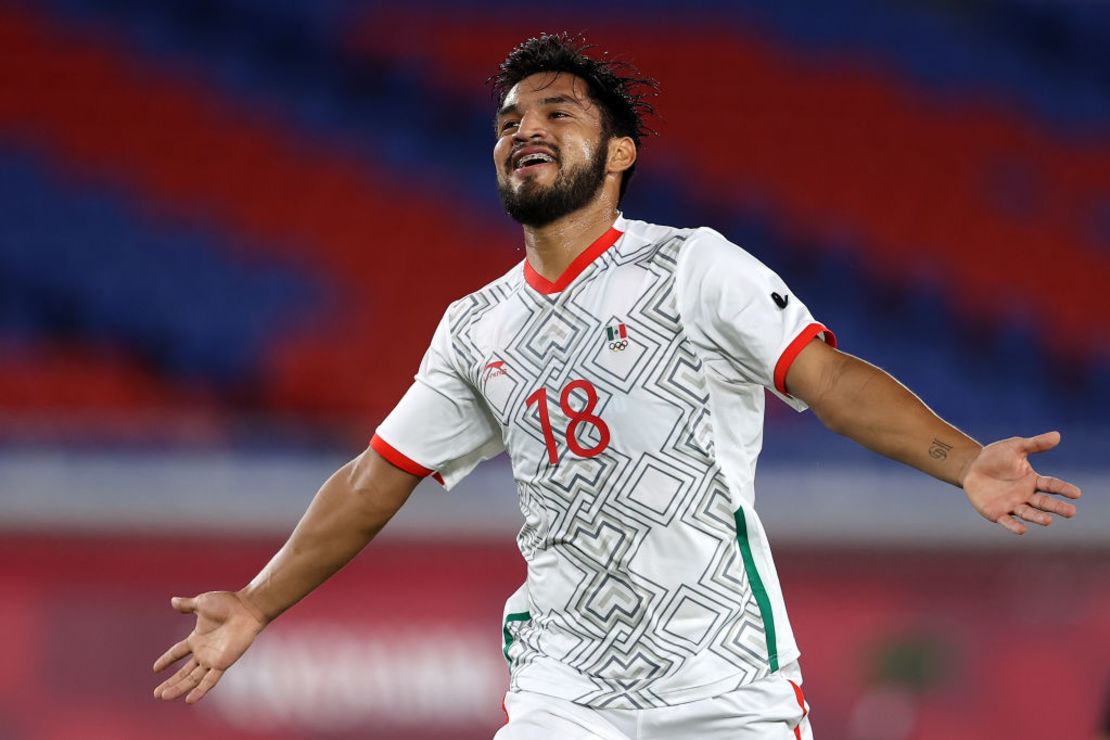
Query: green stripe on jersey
(758,589)
(518,617)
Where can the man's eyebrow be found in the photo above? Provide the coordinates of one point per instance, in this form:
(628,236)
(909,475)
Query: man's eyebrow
(556,100)
(561,100)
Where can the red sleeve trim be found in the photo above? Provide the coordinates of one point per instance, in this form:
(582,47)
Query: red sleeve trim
(397,459)
(580,263)
(791,352)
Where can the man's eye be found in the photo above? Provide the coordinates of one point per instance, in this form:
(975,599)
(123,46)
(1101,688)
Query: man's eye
(558,114)
(507,125)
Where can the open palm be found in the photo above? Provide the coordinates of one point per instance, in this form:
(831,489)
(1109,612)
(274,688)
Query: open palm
(1004,487)
(225,628)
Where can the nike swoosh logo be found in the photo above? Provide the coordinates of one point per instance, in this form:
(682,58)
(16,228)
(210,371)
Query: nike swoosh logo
(780,300)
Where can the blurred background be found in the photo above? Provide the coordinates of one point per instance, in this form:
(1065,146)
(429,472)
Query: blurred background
(228,229)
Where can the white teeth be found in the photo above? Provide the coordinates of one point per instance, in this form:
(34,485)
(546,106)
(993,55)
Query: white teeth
(534,158)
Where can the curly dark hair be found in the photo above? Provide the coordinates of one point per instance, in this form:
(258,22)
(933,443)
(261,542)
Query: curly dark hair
(616,87)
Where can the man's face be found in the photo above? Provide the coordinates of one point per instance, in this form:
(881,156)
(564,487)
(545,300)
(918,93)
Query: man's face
(550,156)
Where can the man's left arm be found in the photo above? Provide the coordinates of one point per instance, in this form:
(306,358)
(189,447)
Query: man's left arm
(858,400)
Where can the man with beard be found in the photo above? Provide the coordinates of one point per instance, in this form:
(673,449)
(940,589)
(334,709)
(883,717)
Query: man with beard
(623,366)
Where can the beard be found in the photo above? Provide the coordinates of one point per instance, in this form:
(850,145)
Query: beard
(536,206)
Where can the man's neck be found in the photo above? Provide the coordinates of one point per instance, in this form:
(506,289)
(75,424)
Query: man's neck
(550,249)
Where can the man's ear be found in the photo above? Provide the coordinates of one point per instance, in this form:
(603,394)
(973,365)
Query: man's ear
(622,153)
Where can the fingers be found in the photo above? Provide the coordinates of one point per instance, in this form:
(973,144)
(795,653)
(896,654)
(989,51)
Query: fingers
(1037,511)
(1055,485)
(1053,505)
(193,679)
(171,656)
(183,671)
(1040,443)
(186,683)
(184,604)
(210,679)
(166,687)
(1010,524)
(181,649)
(1033,516)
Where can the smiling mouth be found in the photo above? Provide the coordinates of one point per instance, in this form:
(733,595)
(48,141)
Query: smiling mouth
(533,160)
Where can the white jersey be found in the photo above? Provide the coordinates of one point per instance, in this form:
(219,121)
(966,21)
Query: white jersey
(629,395)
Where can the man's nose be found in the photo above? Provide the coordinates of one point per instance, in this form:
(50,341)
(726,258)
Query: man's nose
(531,127)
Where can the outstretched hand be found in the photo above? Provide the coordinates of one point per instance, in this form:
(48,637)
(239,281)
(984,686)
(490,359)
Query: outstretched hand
(1004,488)
(225,628)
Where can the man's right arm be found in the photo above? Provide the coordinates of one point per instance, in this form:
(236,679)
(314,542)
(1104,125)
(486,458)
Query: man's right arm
(347,512)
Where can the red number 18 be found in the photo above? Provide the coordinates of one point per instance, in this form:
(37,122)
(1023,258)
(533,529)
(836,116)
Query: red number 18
(585,415)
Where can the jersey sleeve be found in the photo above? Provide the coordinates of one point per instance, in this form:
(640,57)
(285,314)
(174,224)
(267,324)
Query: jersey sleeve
(441,426)
(741,315)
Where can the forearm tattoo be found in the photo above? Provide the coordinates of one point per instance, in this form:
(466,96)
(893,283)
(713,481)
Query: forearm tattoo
(939,450)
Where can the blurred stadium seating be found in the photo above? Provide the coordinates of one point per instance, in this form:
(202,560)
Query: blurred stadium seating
(229,228)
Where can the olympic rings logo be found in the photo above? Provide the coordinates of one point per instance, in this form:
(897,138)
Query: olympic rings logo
(619,346)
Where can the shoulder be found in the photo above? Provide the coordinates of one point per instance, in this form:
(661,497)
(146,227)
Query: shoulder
(694,247)
(463,313)
(709,261)
(714,275)
(707,246)
(657,244)
(642,232)
(489,295)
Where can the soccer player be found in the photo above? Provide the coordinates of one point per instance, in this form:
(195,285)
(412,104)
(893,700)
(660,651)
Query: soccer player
(622,366)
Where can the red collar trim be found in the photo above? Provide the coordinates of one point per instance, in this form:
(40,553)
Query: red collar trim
(580,263)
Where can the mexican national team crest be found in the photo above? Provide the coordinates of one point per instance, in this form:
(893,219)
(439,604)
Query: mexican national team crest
(617,334)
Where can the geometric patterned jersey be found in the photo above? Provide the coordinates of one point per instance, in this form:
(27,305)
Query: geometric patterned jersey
(629,396)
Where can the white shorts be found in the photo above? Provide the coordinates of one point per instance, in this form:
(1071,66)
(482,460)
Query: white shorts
(772,708)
